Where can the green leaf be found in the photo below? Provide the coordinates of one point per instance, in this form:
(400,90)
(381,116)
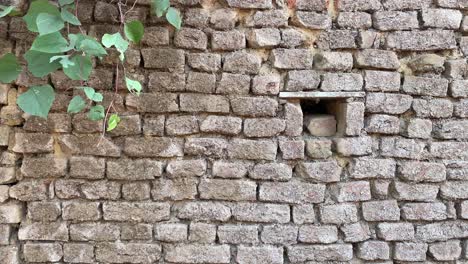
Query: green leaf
(113,121)
(9,68)
(66,2)
(92,47)
(134,31)
(117,41)
(160,7)
(91,94)
(64,60)
(36,8)
(51,43)
(96,113)
(81,69)
(40,63)
(37,101)
(76,105)
(173,17)
(47,23)
(70,18)
(133,86)
(6,11)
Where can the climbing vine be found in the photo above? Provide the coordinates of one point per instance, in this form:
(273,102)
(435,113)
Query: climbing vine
(74,53)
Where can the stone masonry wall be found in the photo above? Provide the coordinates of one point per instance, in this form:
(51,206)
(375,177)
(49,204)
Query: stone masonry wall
(210,165)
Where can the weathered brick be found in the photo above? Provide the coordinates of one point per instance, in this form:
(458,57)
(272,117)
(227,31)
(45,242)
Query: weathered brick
(401,148)
(202,232)
(44,211)
(279,234)
(7,175)
(162,58)
(441,231)
(271,171)
(260,254)
(81,211)
(446,251)
(33,190)
(208,62)
(88,145)
(406,4)
(425,86)
(152,147)
(250,4)
(136,191)
(441,18)
(395,231)
(451,129)
(263,127)
(302,80)
(156,36)
(388,103)
(10,254)
(419,128)
(57,231)
(204,211)
(338,214)
(319,148)
(87,167)
(233,84)
(186,168)
(312,20)
(291,38)
(201,82)
(415,192)
(238,234)
(266,84)
(292,59)
(252,149)
(264,37)
(233,190)
(409,251)
(242,62)
(119,252)
(311,5)
(359,5)
(204,103)
(383,124)
(228,40)
(326,171)
(324,234)
(356,232)
(191,38)
(351,191)
(291,149)
(42,252)
(437,108)
(333,82)
(379,59)
(449,150)
(227,169)
(356,146)
(381,211)
(171,232)
(320,253)
(135,212)
(187,253)
(395,20)
(11,213)
(268,18)
(174,189)
(164,82)
(32,143)
(457,88)
(354,20)
(261,212)
(213,147)
(292,192)
(421,40)
(153,102)
(303,214)
(374,250)
(422,171)
(454,190)
(226,125)
(224,18)
(382,81)
(78,253)
(182,125)
(294,118)
(424,211)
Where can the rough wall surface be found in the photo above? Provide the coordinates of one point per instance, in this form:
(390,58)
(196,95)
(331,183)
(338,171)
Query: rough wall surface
(209,165)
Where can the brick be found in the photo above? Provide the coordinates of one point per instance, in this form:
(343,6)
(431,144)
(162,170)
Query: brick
(226,125)
(401,148)
(94,232)
(233,84)
(382,81)
(44,211)
(333,61)
(326,171)
(279,234)
(448,150)
(319,148)
(264,38)
(441,18)
(242,62)
(182,125)
(421,40)
(7,175)
(383,124)
(126,169)
(238,234)
(311,5)
(228,40)
(291,38)
(261,212)
(451,129)
(321,125)
(152,147)
(174,189)
(455,69)
(338,214)
(395,231)
(461,108)
(312,20)
(357,146)
(153,102)
(202,232)
(213,147)
(204,103)
(445,251)
(271,171)
(424,211)
(119,252)
(415,192)
(425,86)
(292,192)
(32,143)
(457,89)
(260,254)
(419,128)
(356,232)
(333,82)
(294,119)
(136,191)
(81,211)
(105,12)
(454,190)
(441,231)
(422,171)
(291,149)
(191,38)
(233,190)
(262,4)
(186,168)
(161,58)
(224,18)
(10,254)
(268,18)
(164,82)
(354,20)
(135,212)
(171,232)
(351,191)
(437,108)
(378,59)
(11,213)
(5,232)
(252,149)
(337,39)
(292,59)
(207,62)
(410,251)
(303,214)
(204,211)
(200,82)
(320,253)
(374,250)
(406,4)
(324,234)
(266,84)
(156,36)
(87,167)
(381,211)
(78,253)
(34,190)
(388,103)
(43,252)
(100,190)
(395,20)
(302,80)
(57,231)
(359,5)
(185,253)
(227,169)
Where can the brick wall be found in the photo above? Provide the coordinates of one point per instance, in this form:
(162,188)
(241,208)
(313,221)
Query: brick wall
(217,163)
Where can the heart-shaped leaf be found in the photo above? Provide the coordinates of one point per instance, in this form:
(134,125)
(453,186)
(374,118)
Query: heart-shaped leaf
(37,101)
